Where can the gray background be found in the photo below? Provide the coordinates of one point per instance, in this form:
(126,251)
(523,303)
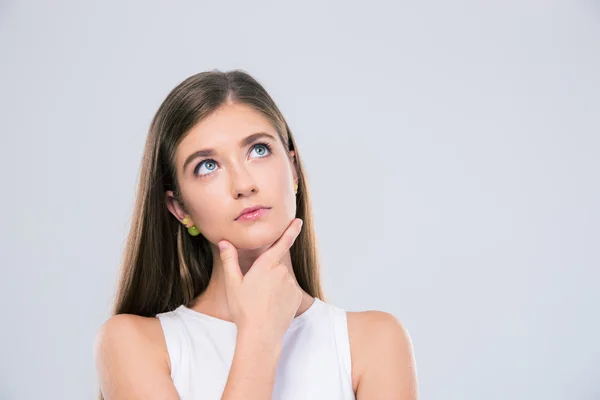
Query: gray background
(452,150)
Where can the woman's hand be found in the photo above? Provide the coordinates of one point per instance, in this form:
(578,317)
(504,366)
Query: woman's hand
(265,300)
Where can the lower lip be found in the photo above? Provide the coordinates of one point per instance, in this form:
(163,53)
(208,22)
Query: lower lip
(253,215)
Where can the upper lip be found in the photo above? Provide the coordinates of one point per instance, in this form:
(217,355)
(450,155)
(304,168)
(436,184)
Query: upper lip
(250,209)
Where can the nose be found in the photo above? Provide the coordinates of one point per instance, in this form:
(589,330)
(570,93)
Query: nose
(242,183)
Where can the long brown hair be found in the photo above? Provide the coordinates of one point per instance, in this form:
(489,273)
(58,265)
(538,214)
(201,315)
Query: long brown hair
(163,266)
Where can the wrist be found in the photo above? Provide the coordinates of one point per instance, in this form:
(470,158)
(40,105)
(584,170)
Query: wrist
(260,339)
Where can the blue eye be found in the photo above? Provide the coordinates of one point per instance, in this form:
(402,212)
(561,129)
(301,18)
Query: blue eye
(264,149)
(211,164)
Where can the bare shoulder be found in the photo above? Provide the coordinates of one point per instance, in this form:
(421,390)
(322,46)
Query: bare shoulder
(129,323)
(374,331)
(127,331)
(379,323)
(382,351)
(129,352)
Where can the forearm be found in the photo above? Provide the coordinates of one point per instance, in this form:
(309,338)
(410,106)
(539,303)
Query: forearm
(252,373)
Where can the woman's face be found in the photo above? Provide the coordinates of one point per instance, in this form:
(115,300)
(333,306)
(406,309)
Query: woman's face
(231,160)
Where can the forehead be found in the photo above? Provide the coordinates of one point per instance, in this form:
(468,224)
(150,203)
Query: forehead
(226,126)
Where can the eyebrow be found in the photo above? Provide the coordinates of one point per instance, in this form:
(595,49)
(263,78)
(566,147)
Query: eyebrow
(211,152)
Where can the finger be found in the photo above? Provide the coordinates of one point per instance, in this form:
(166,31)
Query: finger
(229,259)
(277,250)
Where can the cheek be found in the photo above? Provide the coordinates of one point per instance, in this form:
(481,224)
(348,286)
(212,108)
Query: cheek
(277,182)
(280,176)
(209,212)
(282,184)
(204,203)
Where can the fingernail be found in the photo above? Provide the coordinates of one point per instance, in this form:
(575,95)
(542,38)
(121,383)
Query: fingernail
(222,245)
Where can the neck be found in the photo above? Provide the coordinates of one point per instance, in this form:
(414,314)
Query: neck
(213,300)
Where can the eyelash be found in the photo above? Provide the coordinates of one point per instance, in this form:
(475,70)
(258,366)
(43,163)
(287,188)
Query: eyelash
(264,144)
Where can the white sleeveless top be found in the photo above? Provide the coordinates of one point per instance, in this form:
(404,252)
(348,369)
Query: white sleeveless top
(314,363)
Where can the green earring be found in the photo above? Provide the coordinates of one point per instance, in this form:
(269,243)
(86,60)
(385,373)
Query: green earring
(192,230)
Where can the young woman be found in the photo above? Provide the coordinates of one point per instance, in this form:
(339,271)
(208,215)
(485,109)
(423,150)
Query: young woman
(220,296)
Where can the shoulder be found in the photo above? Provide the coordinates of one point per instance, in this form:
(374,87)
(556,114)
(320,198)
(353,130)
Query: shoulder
(125,330)
(378,341)
(379,323)
(127,343)
(373,332)
(129,333)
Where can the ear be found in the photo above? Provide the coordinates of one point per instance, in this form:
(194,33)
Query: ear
(294,166)
(174,206)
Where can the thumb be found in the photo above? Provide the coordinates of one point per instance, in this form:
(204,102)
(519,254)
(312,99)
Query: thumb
(229,259)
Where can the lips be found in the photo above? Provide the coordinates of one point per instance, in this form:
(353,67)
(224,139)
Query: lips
(251,209)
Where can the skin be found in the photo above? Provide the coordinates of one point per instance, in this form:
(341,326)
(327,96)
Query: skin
(130,351)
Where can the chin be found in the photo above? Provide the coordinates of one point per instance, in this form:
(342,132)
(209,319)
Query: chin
(254,238)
